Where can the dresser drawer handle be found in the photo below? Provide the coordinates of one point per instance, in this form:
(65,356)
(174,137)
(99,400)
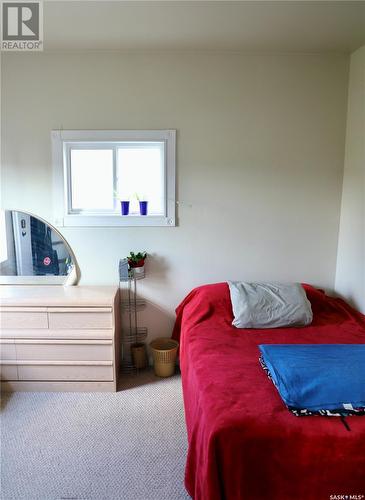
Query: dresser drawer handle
(60,342)
(79,309)
(55,363)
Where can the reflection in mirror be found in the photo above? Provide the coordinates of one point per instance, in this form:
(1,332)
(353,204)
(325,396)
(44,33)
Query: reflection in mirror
(33,252)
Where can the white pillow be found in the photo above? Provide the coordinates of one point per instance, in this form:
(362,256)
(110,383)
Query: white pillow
(269,305)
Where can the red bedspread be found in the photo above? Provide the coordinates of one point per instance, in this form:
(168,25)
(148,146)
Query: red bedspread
(243,442)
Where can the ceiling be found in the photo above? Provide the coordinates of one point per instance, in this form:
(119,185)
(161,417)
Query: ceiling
(269,26)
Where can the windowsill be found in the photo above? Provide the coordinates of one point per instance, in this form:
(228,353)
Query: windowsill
(132,220)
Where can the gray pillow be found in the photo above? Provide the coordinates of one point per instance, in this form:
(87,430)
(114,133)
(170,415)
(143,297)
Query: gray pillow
(269,305)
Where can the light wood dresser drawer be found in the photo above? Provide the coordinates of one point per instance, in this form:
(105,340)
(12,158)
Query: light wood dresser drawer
(79,318)
(62,350)
(7,349)
(26,318)
(65,372)
(8,372)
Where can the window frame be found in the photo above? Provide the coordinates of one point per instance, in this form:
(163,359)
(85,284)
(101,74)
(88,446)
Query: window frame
(62,143)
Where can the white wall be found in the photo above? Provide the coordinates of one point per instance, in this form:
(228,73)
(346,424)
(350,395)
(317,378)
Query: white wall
(350,276)
(260,160)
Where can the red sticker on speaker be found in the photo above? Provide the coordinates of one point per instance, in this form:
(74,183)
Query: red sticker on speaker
(46,261)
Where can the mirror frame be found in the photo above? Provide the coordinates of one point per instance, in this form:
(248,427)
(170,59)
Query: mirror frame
(71,279)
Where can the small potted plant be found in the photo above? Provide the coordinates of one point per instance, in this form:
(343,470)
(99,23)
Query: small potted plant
(136,261)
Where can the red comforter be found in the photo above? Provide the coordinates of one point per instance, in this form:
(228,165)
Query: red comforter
(243,442)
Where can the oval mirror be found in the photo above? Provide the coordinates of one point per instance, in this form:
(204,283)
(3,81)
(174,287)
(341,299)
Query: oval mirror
(32,252)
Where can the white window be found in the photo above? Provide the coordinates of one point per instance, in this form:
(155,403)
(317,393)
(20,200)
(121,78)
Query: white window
(96,172)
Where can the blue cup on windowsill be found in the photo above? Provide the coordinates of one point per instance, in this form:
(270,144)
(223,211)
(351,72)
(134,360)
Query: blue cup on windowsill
(143,207)
(125,207)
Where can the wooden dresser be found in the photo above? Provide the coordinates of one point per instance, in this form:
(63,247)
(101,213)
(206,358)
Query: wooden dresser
(57,338)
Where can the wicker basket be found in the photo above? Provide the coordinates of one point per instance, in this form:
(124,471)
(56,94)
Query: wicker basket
(164,351)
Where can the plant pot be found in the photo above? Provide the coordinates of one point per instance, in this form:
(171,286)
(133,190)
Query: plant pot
(124,205)
(139,355)
(134,265)
(143,207)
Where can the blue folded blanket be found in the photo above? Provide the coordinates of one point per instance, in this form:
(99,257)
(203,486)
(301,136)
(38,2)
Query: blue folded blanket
(324,379)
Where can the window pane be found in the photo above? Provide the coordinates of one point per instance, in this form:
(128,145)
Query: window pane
(141,172)
(92,179)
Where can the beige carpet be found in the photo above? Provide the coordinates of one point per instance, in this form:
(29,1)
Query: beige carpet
(129,445)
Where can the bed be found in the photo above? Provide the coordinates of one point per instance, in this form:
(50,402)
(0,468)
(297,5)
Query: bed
(244,444)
